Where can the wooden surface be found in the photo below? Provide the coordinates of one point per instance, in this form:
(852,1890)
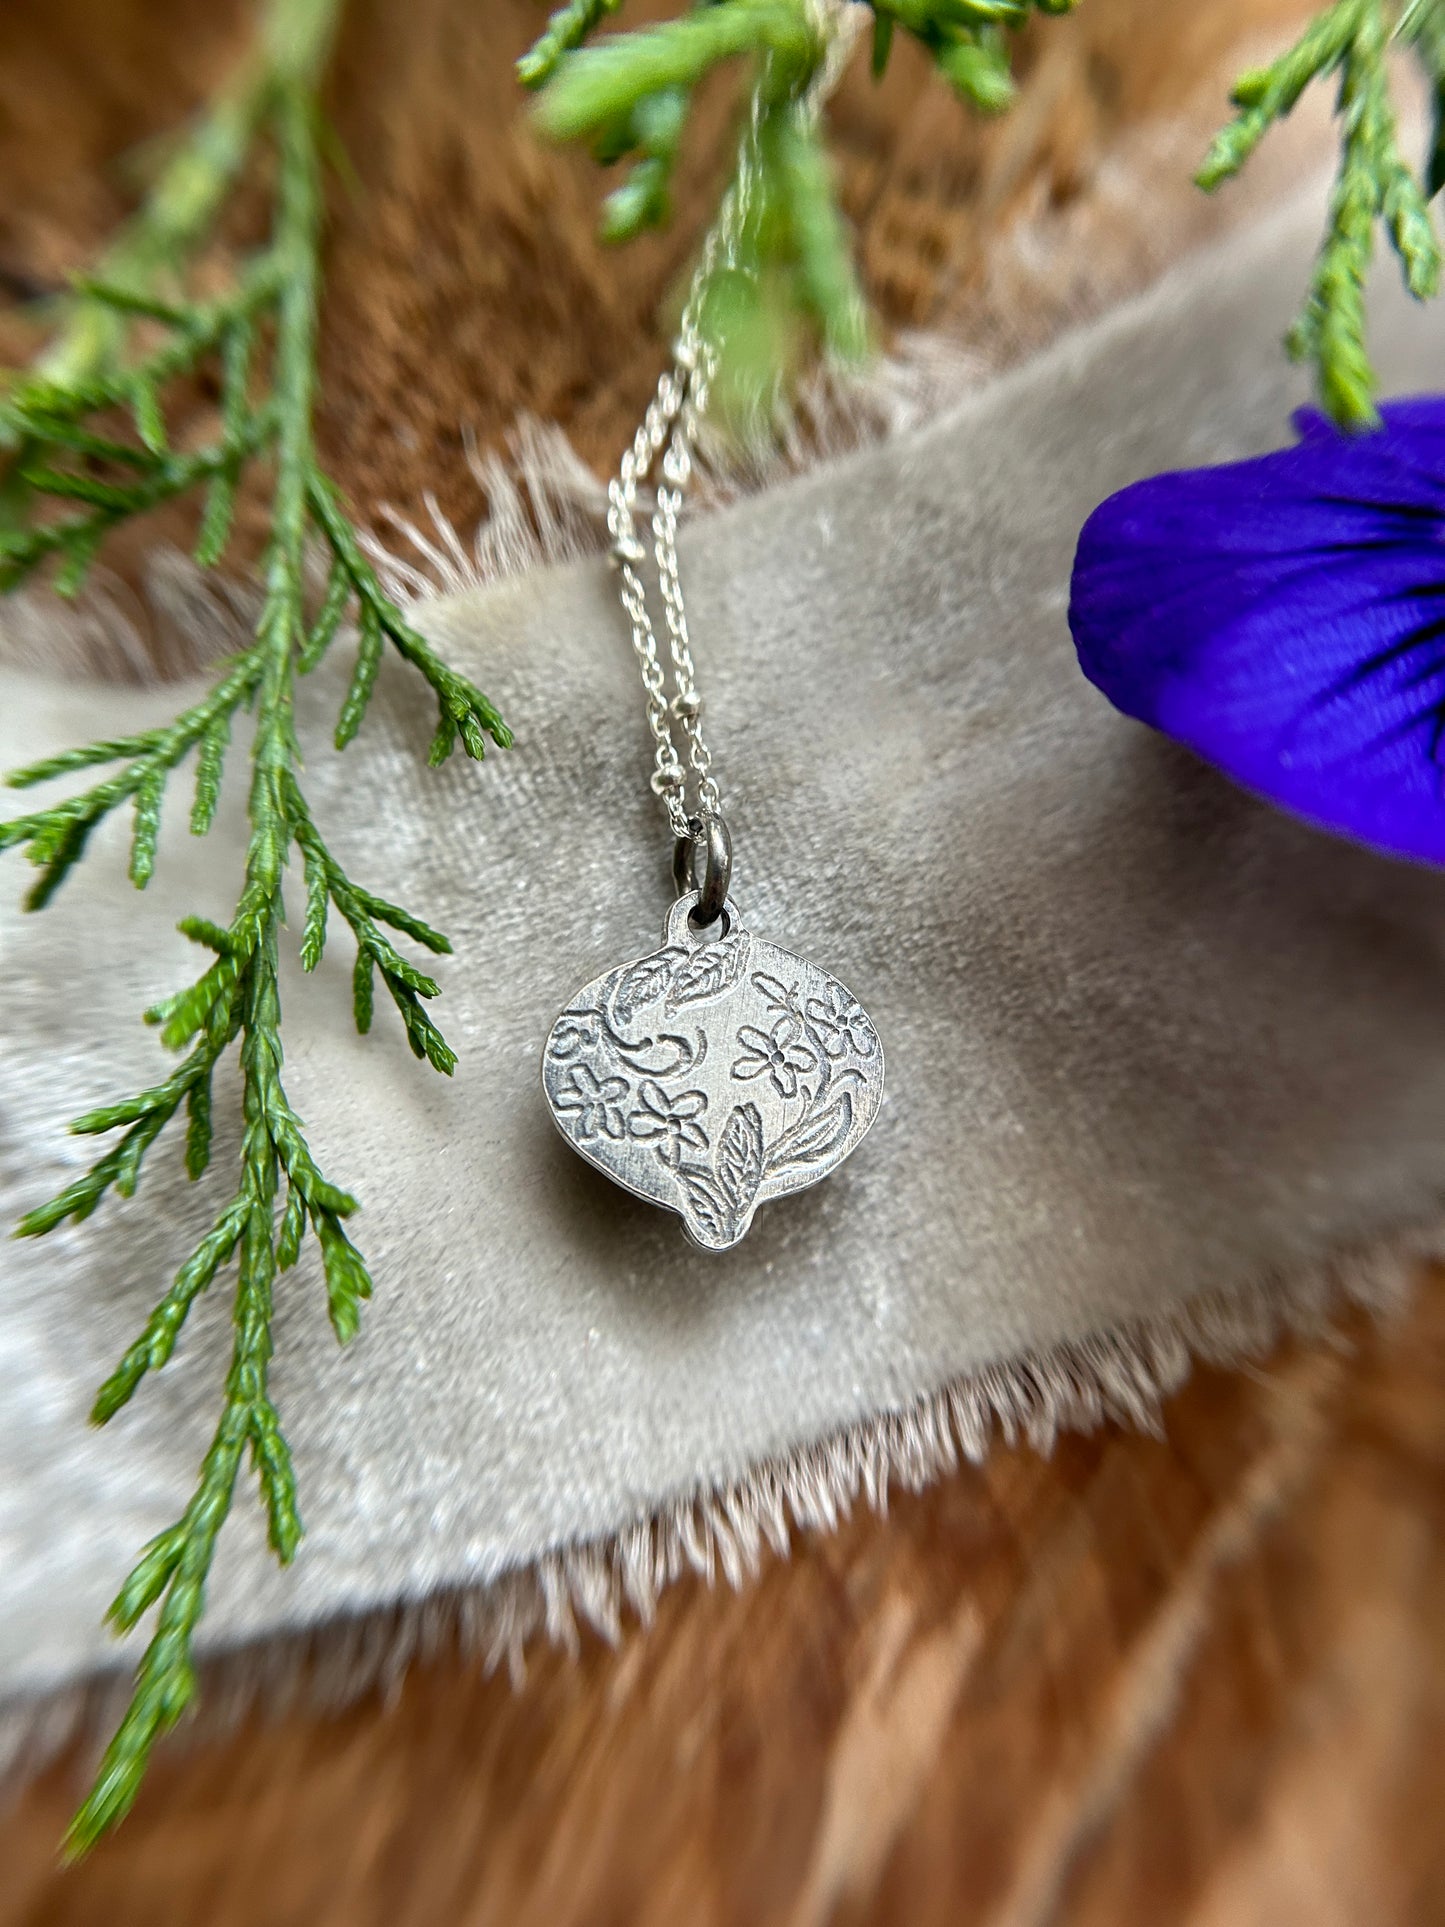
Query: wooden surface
(1193,1679)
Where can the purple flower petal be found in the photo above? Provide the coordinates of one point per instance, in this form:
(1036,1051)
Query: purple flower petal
(1285,617)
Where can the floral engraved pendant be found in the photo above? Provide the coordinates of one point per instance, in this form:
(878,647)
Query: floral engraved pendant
(714,1074)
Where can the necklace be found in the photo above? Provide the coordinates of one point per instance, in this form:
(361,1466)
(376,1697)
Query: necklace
(719,1071)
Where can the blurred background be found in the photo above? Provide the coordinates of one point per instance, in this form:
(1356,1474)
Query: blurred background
(1198,1681)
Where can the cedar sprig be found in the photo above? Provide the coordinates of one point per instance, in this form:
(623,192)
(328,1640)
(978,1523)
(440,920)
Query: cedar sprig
(1374,185)
(1422,27)
(89,447)
(791,278)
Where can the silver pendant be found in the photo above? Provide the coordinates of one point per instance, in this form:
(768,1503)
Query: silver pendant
(714,1074)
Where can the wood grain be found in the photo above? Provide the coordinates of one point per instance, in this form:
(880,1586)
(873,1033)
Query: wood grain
(1197,1678)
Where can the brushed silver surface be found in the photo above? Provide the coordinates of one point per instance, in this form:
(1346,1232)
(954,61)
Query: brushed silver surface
(714,1074)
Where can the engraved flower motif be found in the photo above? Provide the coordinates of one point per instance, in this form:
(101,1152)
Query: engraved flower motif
(595,1103)
(573,1032)
(842,1023)
(778,1052)
(669,1122)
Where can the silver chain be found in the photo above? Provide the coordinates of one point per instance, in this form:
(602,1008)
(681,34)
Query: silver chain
(670,428)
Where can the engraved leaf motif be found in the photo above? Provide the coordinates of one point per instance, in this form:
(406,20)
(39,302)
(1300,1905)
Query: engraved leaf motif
(644,983)
(776,994)
(708,972)
(740,1155)
(814,1137)
(708,1206)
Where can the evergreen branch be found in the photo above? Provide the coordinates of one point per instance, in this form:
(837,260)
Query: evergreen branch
(239,994)
(178,214)
(375,952)
(328,618)
(628,96)
(78,538)
(74,439)
(464,710)
(43,397)
(567,28)
(1422,27)
(236,345)
(1374,185)
(156,1343)
(174,1568)
(793,150)
(263,335)
(55,837)
(596,89)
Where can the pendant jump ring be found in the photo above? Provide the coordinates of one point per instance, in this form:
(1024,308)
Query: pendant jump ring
(711,832)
